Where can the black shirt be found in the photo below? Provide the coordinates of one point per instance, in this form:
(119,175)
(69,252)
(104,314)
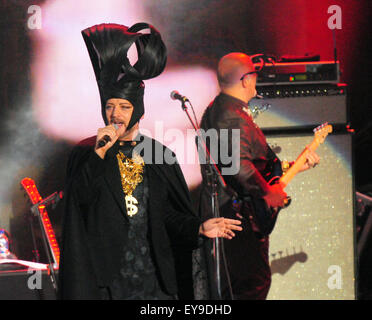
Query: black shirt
(138,278)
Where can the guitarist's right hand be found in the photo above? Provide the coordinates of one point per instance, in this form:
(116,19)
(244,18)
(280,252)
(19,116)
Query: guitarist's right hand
(275,196)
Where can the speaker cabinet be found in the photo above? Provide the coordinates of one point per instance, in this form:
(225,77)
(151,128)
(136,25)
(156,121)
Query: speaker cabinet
(312,253)
(300,106)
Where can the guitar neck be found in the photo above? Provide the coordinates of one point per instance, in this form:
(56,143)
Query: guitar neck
(31,189)
(298,164)
(50,235)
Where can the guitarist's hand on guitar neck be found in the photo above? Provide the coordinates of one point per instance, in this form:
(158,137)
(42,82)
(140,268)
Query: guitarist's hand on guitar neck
(273,186)
(312,159)
(276,196)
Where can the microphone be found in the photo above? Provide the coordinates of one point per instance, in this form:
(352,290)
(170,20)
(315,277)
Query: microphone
(175,95)
(102,142)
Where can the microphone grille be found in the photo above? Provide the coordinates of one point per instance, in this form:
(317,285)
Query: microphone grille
(173,94)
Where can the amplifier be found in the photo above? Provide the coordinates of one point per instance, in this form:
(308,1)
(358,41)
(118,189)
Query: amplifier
(300,73)
(312,247)
(291,106)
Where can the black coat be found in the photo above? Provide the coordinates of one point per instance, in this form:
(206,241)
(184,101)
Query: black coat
(96,224)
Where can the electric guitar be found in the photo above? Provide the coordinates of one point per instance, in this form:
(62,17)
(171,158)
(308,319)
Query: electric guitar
(29,185)
(265,217)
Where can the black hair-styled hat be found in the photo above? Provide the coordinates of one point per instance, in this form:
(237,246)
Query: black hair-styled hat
(108,46)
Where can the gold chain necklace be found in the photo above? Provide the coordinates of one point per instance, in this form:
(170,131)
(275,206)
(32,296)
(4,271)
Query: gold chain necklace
(131,171)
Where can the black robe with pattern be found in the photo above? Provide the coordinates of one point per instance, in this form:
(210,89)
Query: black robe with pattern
(96,224)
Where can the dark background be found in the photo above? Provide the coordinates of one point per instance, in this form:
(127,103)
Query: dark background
(196,32)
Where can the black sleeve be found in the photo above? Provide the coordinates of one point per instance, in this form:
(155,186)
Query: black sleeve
(77,278)
(76,275)
(248,178)
(182,227)
(84,173)
(180,219)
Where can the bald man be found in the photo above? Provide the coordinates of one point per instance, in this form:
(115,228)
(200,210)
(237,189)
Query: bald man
(247,254)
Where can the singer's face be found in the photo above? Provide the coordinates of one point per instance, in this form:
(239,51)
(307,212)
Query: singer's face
(119,112)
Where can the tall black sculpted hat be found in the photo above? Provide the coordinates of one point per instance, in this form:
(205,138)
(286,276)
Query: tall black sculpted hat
(108,46)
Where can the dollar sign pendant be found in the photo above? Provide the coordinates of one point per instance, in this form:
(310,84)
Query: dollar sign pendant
(131,202)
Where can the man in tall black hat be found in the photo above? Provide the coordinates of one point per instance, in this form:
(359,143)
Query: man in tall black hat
(129,221)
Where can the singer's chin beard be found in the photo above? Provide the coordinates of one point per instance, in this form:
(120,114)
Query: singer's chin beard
(129,135)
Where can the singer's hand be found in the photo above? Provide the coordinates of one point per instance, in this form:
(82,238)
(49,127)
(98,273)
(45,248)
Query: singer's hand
(220,227)
(106,131)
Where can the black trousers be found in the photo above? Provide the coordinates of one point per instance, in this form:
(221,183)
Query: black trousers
(247,259)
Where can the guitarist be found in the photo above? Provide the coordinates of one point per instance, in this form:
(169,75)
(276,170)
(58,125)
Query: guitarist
(247,254)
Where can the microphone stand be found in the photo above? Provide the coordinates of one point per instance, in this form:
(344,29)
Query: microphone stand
(214,177)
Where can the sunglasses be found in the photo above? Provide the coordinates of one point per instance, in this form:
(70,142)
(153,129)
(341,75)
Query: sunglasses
(248,73)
